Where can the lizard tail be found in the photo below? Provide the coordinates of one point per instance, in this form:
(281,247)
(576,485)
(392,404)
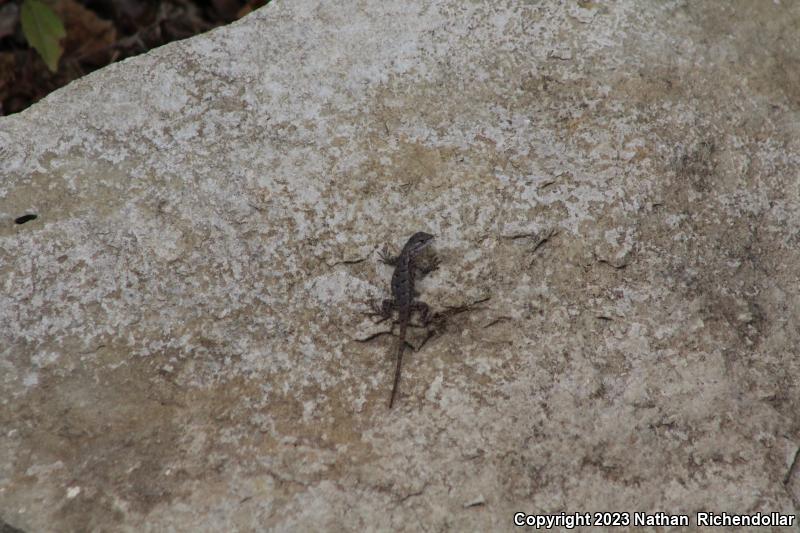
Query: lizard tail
(400,349)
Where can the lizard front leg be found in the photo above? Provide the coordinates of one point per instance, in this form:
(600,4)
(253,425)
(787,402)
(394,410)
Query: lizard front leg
(387,257)
(426,267)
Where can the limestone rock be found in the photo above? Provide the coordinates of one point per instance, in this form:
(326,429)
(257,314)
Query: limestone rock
(181,325)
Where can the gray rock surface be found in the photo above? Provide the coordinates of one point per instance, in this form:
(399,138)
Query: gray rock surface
(180,325)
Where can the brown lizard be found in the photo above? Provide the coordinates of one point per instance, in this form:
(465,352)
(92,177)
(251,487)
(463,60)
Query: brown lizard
(405,269)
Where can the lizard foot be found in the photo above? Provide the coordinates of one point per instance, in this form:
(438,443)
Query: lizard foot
(387,257)
(431,265)
(383,309)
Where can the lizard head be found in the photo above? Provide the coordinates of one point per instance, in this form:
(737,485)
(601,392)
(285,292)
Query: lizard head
(418,241)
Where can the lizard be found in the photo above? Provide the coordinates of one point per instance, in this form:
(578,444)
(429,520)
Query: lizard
(406,268)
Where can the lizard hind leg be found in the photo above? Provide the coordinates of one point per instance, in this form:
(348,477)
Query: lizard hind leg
(387,307)
(383,309)
(433,323)
(424,312)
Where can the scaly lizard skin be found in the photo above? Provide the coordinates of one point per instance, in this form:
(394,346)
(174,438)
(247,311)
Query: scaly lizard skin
(403,293)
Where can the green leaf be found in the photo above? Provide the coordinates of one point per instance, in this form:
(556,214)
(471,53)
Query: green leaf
(43,29)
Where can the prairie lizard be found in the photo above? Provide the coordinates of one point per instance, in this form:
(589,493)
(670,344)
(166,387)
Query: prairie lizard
(406,267)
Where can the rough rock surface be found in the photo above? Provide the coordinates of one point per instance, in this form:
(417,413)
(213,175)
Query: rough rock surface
(180,325)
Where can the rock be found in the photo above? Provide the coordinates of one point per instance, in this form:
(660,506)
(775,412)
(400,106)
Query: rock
(183,338)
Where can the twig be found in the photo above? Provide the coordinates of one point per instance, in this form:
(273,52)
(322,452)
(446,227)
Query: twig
(497,321)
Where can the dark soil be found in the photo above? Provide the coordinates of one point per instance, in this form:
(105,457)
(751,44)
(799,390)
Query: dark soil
(100,32)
